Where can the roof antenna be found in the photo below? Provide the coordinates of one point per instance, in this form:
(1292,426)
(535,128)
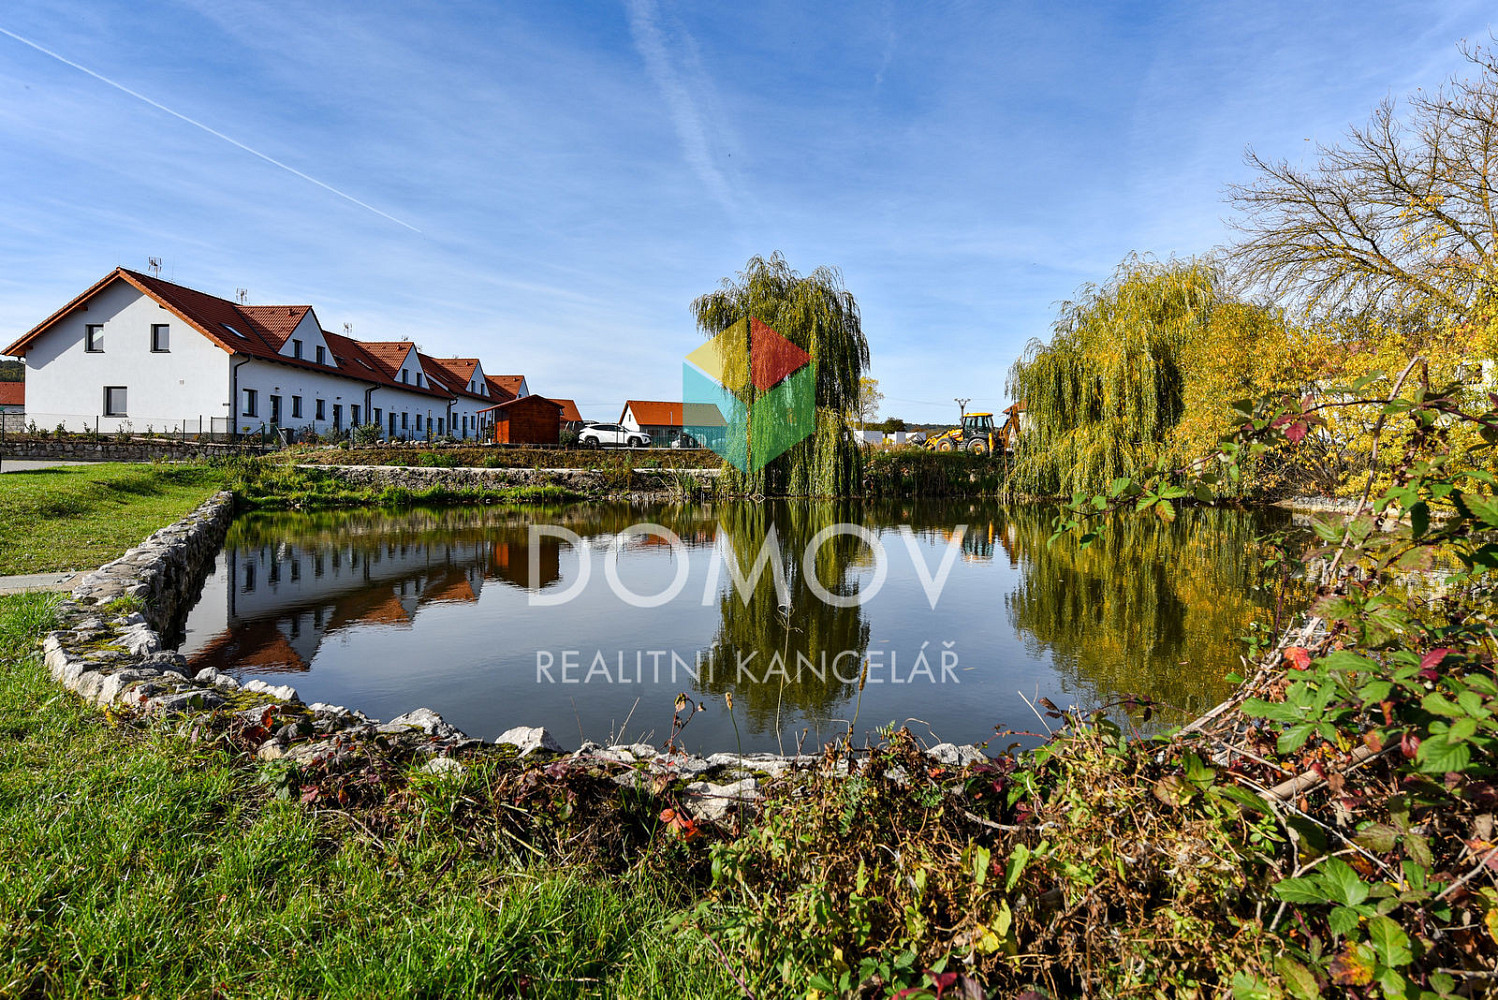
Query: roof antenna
(153,264)
(348,329)
(242,296)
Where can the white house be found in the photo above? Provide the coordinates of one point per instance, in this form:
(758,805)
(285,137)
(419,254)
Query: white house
(134,352)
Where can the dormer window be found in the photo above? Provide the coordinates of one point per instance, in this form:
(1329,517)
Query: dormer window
(405,376)
(322,355)
(296,349)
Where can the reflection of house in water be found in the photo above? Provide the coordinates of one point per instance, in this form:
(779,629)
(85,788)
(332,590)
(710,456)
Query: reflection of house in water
(281,601)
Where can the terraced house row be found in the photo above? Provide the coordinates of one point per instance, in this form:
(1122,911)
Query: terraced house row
(135,352)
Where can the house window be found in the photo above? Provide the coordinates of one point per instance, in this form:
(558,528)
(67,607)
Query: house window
(406,421)
(161,338)
(275,410)
(338,416)
(296,349)
(322,355)
(405,376)
(296,407)
(322,409)
(114,401)
(418,422)
(93,338)
(440,422)
(379,415)
(392,425)
(251,403)
(353,415)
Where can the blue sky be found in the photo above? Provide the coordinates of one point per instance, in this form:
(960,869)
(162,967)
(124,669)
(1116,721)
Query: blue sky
(549,185)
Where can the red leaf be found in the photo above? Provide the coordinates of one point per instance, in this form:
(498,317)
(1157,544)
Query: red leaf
(1408,744)
(309,794)
(1298,657)
(1296,431)
(1433,658)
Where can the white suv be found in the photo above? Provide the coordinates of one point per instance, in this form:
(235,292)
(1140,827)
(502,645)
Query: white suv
(612,435)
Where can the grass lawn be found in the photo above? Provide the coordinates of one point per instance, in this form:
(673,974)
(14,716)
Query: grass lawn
(137,862)
(77,517)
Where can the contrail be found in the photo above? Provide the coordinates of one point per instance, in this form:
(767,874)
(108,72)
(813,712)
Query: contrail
(211,131)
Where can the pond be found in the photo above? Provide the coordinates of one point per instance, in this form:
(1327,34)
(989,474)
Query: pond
(592,620)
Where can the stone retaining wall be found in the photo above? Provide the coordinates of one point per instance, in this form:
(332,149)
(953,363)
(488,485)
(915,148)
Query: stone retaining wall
(107,450)
(118,659)
(590,482)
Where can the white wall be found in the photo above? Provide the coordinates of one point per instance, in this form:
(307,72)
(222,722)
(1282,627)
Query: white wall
(466,407)
(65,384)
(392,400)
(267,378)
(309,332)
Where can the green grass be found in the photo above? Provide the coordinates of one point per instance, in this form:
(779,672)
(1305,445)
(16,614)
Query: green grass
(80,516)
(137,862)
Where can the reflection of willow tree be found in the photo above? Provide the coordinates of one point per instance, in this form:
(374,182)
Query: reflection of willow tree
(1150,608)
(818,315)
(812,627)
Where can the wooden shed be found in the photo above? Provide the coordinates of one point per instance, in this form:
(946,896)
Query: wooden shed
(527,420)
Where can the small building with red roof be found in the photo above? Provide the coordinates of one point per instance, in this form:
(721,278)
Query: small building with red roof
(12,397)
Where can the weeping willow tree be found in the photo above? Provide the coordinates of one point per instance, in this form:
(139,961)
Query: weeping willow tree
(818,315)
(1104,396)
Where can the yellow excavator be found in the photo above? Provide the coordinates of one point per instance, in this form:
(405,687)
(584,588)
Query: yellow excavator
(976,434)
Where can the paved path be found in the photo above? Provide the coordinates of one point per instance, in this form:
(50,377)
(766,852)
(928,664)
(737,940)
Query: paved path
(38,582)
(31,465)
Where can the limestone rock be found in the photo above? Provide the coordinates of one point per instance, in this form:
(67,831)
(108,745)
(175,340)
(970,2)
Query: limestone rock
(426,720)
(529,739)
(281,692)
(443,766)
(713,803)
(953,755)
(215,678)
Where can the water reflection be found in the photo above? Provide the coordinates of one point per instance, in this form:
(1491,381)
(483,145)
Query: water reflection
(387,611)
(789,648)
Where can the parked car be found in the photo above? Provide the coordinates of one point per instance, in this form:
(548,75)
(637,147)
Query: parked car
(685,440)
(612,436)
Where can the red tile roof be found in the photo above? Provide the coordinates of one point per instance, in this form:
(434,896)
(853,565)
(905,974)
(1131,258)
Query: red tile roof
(277,321)
(508,385)
(461,369)
(657,413)
(355,360)
(453,379)
(392,353)
(12,393)
(569,411)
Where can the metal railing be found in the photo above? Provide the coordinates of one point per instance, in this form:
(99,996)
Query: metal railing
(98,426)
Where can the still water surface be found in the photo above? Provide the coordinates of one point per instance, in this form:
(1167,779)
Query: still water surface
(465,611)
